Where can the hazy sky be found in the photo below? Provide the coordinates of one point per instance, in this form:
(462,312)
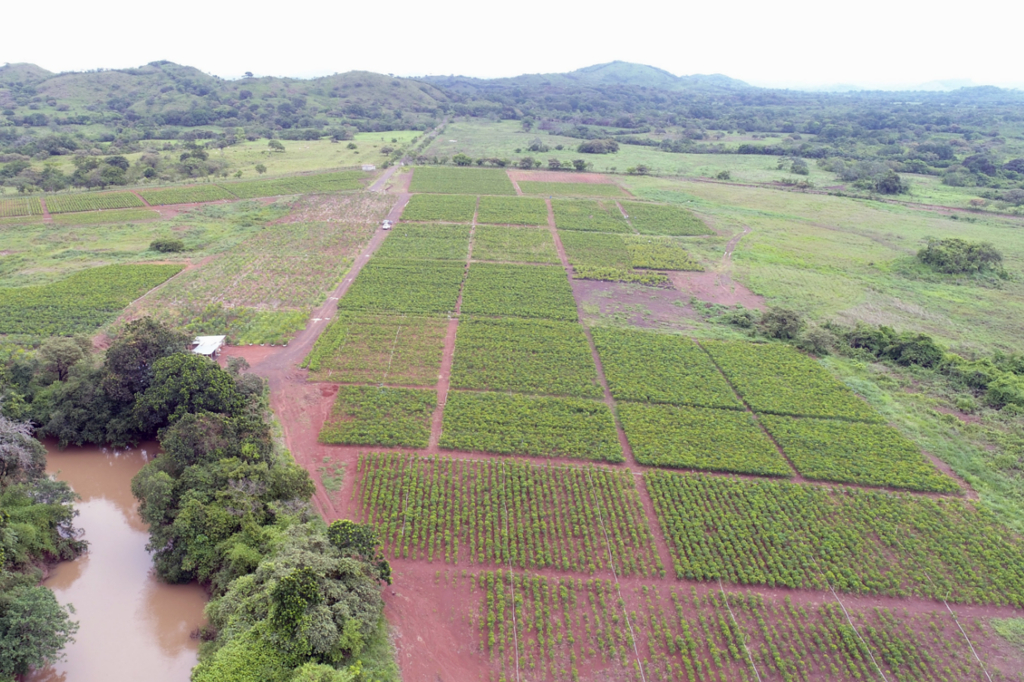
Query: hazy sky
(799,43)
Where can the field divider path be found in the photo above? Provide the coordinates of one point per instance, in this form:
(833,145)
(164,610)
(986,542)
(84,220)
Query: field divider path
(140,197)
(515,184)
(625,217)
(511,578)
(739,630)
(47,218)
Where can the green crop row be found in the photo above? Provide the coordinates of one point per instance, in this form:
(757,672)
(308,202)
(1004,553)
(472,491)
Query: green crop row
(612,257)
(571,189)
(430,242)
(441,180)
(661,368)
(501,513)
(20,206)
(700,438)
(658,253)
(861,541)
(512,211)
(868,454)
(664,219)
(645,277)
(514,244)
(379,349)
(185,195)
(523,425)
(300,184)
(70,203)
(778,379)
(526,356)
(518,291)
(440,208)
(405,286)
(589,215)
(371,415)
(79,303)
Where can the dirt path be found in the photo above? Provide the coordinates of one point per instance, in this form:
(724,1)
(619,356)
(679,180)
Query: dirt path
(379,183)
(140,197)
(717,285)
(625,216)
(515,184)
(47,218)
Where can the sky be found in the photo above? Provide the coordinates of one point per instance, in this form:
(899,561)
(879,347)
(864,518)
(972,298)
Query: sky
(870,43)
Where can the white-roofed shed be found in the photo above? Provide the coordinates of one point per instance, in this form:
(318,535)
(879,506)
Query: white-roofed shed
(208,345)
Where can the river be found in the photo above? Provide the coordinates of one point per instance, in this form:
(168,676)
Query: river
(132,626)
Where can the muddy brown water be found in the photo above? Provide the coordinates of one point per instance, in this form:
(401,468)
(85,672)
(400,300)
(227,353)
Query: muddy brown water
(132,625)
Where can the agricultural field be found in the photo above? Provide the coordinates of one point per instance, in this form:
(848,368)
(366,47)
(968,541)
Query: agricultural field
(70,203)
(700,438)
(860,541)
(405,286)
(512,211)
(571,189)
(524,356)
(507,513)
(445,180)
(589,215)
(379,349)
(129,215)
(440,208)
(427,242)
(624,258)
(778,379)
(656,219)
(867,454)
(518,291)
(513,244)
(298,184)
(521,425)
(185,195)
(661,368)
(379,415)
(20,206)
(248,326)
(659,253)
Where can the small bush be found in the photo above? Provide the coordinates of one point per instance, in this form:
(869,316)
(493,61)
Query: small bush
(956,256)
(167,245)
(781,323)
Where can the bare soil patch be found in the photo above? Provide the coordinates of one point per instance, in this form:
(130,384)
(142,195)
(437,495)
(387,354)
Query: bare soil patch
(633,304)
(559,176)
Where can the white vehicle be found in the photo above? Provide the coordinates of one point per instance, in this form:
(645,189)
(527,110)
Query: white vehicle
(386,225)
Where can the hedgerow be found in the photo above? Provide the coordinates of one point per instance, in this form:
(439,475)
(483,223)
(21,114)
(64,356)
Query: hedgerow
(485,512)
(69,203)
(700,438)
(371,415)
(524,425)
(513,244)
(440,180)
(571,189)
(185,195)
(405,286)
(518,291)
(778,379)
(861,541)
(512,211)
(869,454)
(527,356)
(661,368)
(428,242)
(379,349)
(589,215)
(664,219)
(441,208)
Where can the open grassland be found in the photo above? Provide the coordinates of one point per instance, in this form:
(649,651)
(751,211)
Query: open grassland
(498,513)
(379,349)
(518,291)
(440,208)
(298,184)
(314,155)
(427,242)
(128,215)
(513,244)
(69,203)
(405,286)
(447,180)
(512,211)
(526,356)
(372,415)
(523,425)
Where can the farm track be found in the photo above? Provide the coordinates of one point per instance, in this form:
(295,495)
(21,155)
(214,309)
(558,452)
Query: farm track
(47,218)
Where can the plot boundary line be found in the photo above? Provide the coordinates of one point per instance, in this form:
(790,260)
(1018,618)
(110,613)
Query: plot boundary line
(511,581)
(739,629)
(391,358)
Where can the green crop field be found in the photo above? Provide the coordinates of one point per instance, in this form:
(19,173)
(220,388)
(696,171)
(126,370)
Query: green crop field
(513,244)
(656,219)
(405,286)
(185,195)
(20,206)
(440,208)
(571,189)
(428,242)
(523,425)
(589,215)
(69,203)
(526,356)
(512,211)
(440,180)
(371,415)
(659,253)
(519,291)
(379,349)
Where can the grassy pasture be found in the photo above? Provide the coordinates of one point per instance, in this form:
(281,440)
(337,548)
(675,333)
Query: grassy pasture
(125,215)
(571,189)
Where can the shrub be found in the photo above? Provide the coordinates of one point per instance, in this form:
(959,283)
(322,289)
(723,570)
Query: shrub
(167,245)
(957,256)
(781,323)
(598,147)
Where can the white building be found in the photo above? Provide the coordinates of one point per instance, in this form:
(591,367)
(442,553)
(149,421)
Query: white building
(208,345)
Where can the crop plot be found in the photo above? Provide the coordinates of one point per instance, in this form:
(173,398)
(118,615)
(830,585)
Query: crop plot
(660,219)
(571,189)
(594,250)
(479,512)
(300,184)
(868,454)
(513,244)
(658,253)
(20,206)
(700,438)
(512,211)
(185,195)
(128,215)
(371,415)
(427,242)
(589,215)
(661,368)
(527,356)
(70,203)
(861,541)
(564,624)
(379,349)
(441,180)
(244,326)
(778,379)
(522,425)
(79,303)
(440,208)
(405,286)
(518,291)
